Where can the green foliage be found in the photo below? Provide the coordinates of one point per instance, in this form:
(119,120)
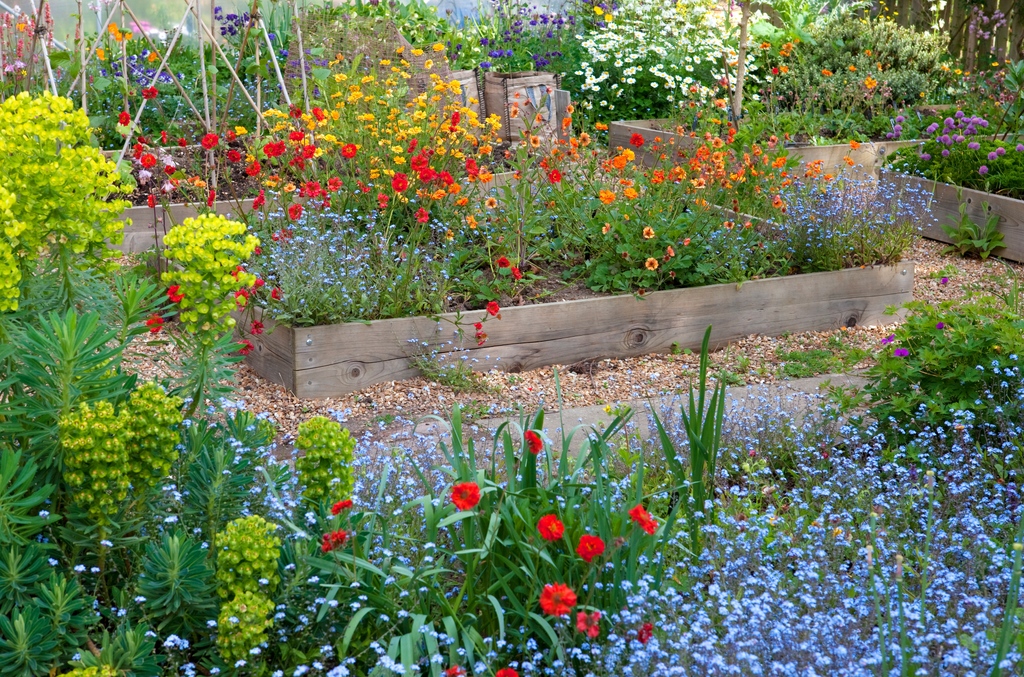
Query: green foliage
(910,66)
(151,420)
(970,238)
(28,645)
(210,250)
(20,498)
(957,355)
(326,464)
(247,552)
(21,569)
(128,651)
(703,424)
(243,624)
(449,370)
(177,582)
(93,439)
(104,671)
(54,188)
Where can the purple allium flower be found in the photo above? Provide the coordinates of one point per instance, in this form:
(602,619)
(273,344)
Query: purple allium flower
(888,339)
(900,352)
(945,153)
(974,145)
(932,128)
(959,138)
(945,139)
(900,119)
(1000,151)
(940,325)
(993,156)
(925,156)
(959,115)
(948,122)
(983,170)
(1020,147)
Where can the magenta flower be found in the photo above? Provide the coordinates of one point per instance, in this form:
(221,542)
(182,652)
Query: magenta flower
(983,170)
(940,325)
(888,339)
(944,280)
(900,352)
(1020,147)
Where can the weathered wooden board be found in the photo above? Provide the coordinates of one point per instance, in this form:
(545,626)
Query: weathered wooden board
(659,139)
(945,209)
(334,360)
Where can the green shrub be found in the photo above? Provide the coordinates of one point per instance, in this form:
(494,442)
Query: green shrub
(326,466)
(947,358)
(247,553)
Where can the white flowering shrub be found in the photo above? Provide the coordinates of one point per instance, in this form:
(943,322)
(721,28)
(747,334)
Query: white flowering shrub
(649,58)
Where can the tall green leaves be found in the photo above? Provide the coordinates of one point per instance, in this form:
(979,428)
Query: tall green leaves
(703,424)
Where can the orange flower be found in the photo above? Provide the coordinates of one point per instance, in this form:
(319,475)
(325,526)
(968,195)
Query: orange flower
(631,193)
(854,145)
(848,160)
(620,161)
(471,221)
(606,228)
(777,202)
(648,232)
(870,82)
(826,72)
(600,126)
(669,251)
(606,196)
(852,68)
(686,242)
(651,264)
(490,203)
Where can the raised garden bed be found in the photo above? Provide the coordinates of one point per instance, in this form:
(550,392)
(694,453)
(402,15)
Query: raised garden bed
(330,361)
(945,208)
(870,156)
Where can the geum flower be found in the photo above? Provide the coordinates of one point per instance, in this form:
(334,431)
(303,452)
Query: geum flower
(465,496)
(557,599)
(550,528)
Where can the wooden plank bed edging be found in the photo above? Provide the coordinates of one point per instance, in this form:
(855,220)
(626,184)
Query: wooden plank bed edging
(870,156)
(331,361)
(945,209)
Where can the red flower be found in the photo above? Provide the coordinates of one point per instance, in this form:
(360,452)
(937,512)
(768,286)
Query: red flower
(589,548)
(210,141)
(148,160)
(503,262)
(295,112)
(643,518)
(471,167)
(506,672)
(341,505)
(399,182)
(230,135)
(333,540)
(257,328)
(259,200)
(234,156)
(308,152)
(124,119)
(533,442)
(419,162)
(155,323)
(247,347)
(494,309)
(253,169)
(297,135)
(455,671)
(170,169)
(151,201)
(422,215)
(294,211)
(333,184)
(465,496)
(589,624)
(149,93)
(554,176)
(182,142)
(550,528)
(276,294)
(211,197)
(319,114)
(349,151)
(412,145)
(637,140)
(644,634)
(163,137)
(516,273)
(274,149)
(557,599)
(174,294)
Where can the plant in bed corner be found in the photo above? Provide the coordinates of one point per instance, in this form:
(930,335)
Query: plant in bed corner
(970,238)
(364,196)
(961,153)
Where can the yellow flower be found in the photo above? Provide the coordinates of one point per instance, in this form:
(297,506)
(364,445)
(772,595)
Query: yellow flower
(428,64)
(598,11)
(417,52)
(438,47)
(870,82)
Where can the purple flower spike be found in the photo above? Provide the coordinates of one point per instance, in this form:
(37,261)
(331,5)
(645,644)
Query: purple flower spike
(944,280)
(888,339)
(983,170)
(940,325)
(900,352)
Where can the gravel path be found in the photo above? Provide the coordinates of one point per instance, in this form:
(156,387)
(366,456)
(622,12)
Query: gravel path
(753,360)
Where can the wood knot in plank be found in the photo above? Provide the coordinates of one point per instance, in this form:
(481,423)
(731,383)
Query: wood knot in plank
(637,337)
